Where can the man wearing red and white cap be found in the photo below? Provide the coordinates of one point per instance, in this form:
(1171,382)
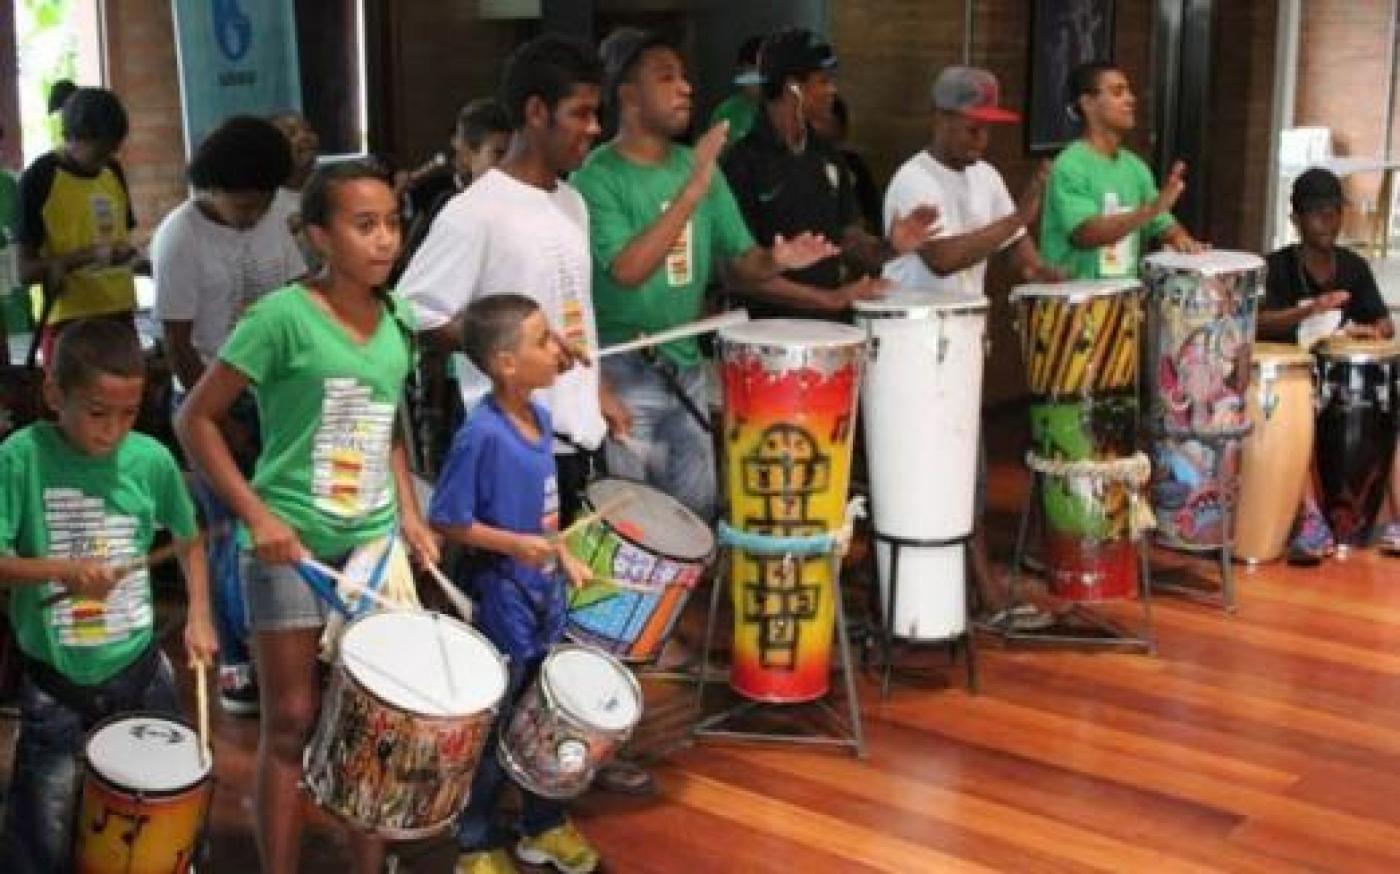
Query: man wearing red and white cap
(979,218)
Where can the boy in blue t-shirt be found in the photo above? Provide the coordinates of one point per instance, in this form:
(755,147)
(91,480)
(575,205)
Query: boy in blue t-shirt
(498,494)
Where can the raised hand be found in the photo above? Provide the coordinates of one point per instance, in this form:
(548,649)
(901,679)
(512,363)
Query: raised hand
(909,232)
(1171,190)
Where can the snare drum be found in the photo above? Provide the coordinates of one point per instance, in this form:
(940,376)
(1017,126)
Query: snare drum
(580,709)
(790,393)
(411,701)
(146,792)
(922,395)
(656,548)
(1359,412)
(1277,452)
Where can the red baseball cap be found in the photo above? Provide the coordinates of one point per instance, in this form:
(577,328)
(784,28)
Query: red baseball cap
(973,92)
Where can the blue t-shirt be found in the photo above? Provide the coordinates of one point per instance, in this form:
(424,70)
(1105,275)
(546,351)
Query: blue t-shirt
(495,476)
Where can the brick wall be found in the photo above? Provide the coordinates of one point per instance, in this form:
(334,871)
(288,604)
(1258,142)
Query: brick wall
(143,71)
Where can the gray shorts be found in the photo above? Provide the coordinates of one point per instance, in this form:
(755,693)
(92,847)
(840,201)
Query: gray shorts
(277,598)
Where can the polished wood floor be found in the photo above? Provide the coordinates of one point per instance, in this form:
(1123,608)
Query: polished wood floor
(1264,741)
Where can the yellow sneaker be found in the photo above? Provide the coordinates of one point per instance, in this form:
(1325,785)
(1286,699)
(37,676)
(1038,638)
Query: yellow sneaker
(485,862)
(563,847)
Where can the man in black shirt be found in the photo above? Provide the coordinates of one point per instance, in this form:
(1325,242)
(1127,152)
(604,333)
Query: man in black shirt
(788,180)
(1316,275)
(1308,279)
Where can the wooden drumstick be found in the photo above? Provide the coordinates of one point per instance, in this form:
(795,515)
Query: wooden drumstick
(704,326)
(355,588)
(458,600)
(604,509)
(201,699)
(175,549)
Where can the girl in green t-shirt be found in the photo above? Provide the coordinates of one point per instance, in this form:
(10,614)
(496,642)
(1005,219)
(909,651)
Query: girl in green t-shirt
(326,360)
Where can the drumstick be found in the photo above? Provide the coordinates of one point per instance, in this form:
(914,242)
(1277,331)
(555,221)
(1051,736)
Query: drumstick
(446,660)
(458,600)
(201,698)
(174,549)
(704,326)
(604,509)
(355,588)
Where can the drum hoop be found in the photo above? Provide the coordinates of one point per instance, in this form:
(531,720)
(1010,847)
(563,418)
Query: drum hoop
(1358,356)
(1274,368)
(926,313)
(340,667)
(703,561)
(1100,288)
(547,688)
(1162,262)
(852,347)
(90,768)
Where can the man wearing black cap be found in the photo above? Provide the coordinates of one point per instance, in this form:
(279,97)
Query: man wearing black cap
(788,179)
(1306,282)
(1316,275)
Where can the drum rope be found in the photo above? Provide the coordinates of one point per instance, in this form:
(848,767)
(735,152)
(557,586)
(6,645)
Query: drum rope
(836,541)
(1133,471)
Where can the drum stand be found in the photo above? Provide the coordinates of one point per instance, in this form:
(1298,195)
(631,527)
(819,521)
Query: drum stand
(967,639)
(1224,596)
(847,730)
(1112,634)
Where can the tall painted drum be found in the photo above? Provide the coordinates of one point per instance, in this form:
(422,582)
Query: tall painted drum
(1201,327)
(1359,411)
(1277,452)
(790,393)
(922,396)
(1079,345)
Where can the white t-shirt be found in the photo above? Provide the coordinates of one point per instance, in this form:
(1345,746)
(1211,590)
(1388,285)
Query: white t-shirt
(967,200)
(501,236)
(207,273)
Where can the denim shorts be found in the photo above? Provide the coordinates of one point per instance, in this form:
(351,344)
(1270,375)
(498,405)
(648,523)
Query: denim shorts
(278,599)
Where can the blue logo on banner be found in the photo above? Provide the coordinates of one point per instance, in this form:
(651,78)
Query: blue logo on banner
(232,29)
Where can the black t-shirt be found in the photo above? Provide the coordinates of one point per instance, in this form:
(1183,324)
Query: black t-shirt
(1288,283)
(782,192)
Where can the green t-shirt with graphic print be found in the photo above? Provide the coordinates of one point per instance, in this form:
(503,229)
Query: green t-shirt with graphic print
(624,199)
(59,502)
(326,404)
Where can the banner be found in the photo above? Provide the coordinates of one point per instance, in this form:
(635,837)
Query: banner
(236,56)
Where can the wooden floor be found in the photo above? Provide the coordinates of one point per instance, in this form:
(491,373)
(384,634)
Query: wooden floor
(1264,741)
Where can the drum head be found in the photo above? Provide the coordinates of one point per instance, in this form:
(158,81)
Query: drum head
(146,753)
(425,663)
(1214,261)
(1348,349)
(1080,289)
(1279,355)
(793,333)
(593,688)
(919,303)
(651,519)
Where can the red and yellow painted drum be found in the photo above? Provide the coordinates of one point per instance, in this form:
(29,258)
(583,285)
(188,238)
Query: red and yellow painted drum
(1079,339)
(790,394)
(647,552)
(403,723)
(146,790)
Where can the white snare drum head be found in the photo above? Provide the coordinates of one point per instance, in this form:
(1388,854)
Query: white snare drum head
(423,662)
(652,519)
(793,333)
(1214,261)
(147,754)
(592,687)
(1078,289)
(919,303)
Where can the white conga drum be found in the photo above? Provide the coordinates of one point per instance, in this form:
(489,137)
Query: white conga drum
(922,396)
(1277,453)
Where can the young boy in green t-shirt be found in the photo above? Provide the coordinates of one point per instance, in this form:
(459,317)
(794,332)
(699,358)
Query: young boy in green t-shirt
(80,500)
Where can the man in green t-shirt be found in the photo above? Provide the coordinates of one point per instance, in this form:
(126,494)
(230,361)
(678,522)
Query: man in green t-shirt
(661,216)
(80,500)
(1102,206)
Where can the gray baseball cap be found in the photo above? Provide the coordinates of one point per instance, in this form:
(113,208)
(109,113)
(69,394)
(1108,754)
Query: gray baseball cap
(973,92)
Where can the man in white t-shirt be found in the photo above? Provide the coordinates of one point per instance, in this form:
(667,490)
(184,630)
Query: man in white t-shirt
(211,257)
(520,228)
(979,220)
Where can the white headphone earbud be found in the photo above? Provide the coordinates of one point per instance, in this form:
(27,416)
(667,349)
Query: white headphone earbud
(796,91)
